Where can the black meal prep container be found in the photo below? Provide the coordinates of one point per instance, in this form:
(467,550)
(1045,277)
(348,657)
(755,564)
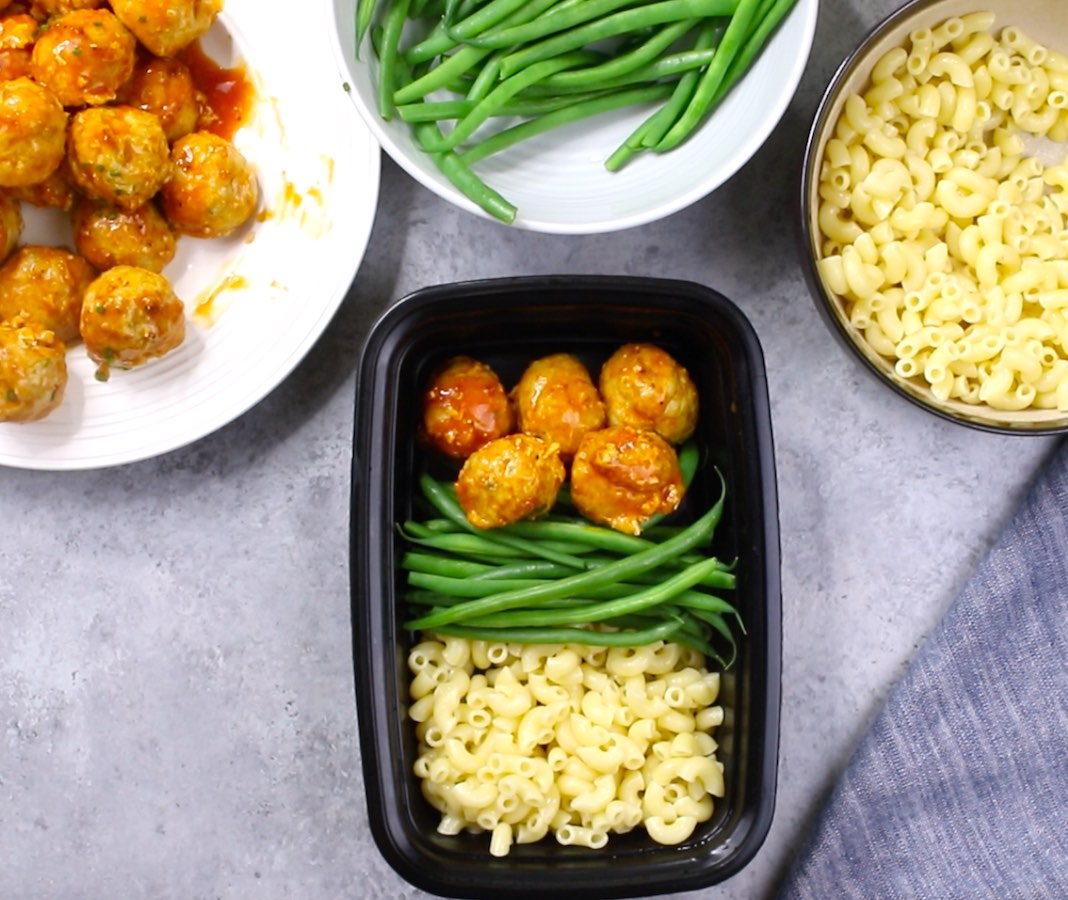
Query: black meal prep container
(508,323)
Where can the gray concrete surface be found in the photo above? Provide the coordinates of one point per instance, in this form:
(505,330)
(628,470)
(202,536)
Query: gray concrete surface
(176,693)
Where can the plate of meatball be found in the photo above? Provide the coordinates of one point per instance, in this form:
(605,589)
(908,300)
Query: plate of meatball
(182,211)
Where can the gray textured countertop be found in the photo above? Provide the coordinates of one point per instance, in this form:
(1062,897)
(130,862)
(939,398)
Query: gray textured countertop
(176,695)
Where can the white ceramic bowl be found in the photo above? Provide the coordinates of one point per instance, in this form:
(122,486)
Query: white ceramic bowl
(256,301)
(1043,20)
(558,180)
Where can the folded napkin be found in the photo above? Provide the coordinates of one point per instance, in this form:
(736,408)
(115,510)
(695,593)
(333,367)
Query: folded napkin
(960,789)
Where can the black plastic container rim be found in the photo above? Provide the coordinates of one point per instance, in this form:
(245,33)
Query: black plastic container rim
(442,883)
(809,250)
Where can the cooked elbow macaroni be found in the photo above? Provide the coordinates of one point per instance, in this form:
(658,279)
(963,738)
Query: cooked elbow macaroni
(935,220)
(576,741)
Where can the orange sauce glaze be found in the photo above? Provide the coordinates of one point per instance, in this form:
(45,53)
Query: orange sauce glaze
(228,92)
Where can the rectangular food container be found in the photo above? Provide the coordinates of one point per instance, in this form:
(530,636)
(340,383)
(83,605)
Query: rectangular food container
(507,323)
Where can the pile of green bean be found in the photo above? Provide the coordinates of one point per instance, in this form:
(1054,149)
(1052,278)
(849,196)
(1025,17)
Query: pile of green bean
(547,63)
(562,579)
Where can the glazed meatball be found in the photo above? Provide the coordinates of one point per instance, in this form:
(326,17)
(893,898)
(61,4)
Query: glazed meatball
(55,192)
(167,26)
(33,127)
(10,224)
(129,317)
(514,477)
(33,371)
(621,476)
(108,236)
(48,8)
(45,285)
(465,406)
(17,35)
(165,87)
(556,399)
(118,154)
(84,57)
(643,386)
(212,190)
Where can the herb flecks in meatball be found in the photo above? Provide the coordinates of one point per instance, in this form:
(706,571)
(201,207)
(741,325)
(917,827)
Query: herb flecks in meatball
(109,236)
(84,57)
(556,399)
(622,476)
(167,26)
(33,371)
(130,316)
(212,190)
(645,387)
(45,285)
(33,130)
(509,479)
(118,154)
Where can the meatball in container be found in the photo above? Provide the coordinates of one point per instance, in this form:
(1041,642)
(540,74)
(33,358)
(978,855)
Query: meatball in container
(33,371)
(623,476)
(84,57)
(118,154)
(513,478)
(645,387)
(130,316)
(212,190)
(166,27)
(556,399)
(33,131)
(465,406)
(45,285)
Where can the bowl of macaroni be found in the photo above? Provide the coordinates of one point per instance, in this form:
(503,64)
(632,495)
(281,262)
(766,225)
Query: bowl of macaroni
(934,198)
(496,766)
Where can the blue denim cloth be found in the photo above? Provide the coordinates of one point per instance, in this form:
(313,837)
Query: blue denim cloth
(960,789)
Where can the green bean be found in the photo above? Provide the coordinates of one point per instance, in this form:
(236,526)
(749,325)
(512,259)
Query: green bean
(438,110)
(438,77)
(612,25)
(440,41)
(738,30)
(473,545)
(574,111)
(508,88)
(564,635)
(469,587)
(625,63)
(493,13)
(636,602)
(534,568)
(771,20)
(486,78)
(697,533)
(658,123)
(709,38)
(390,41)
(436,564)
(666,69)
(466,181)
(365,13)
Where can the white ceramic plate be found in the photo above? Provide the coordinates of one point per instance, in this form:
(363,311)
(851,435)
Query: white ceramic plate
(256,301)
(558,180)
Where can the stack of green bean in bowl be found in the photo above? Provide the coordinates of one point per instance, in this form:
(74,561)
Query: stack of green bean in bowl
(567,116)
